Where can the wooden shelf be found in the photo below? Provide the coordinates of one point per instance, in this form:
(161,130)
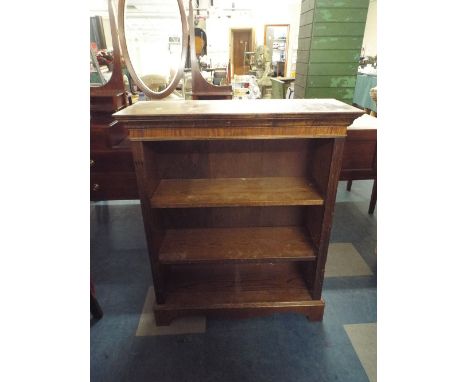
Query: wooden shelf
(235,285)
(235,192)
(215,245)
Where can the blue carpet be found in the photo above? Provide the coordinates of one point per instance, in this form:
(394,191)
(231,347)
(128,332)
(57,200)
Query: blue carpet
(281,347)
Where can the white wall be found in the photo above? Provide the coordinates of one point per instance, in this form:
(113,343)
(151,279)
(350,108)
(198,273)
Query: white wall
(369,42)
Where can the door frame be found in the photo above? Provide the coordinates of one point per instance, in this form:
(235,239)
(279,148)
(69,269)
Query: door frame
(231,45)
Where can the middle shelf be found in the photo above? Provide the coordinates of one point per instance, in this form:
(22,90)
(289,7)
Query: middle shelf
(235,192)
(255,244)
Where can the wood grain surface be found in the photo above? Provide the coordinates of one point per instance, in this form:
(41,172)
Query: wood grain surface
(196,160)
(232,192)
(205,109)
(238,217)
(208,286)
(217,245)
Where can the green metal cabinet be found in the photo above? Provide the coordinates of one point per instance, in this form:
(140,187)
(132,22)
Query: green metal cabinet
(329,47)
(279,86)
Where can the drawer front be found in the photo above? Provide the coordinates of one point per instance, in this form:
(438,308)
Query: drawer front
(360,155)
(111,161)
(113,186)
(107,135)
(117,133)
(111,103)
(99,138)
(102,120)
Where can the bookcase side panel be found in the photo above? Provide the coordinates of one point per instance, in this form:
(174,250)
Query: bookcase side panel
(319,221)
(147,180)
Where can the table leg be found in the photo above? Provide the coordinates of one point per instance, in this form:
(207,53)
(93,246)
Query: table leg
(373,200)
(96,309)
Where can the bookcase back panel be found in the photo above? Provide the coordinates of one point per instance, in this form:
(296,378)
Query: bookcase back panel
(233,217)
(232,159)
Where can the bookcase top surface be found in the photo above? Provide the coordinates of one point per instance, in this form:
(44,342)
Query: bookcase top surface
(237,109)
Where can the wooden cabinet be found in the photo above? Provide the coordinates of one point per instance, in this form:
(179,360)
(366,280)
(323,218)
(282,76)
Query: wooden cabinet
(360,155)
(237,201)
(112,173)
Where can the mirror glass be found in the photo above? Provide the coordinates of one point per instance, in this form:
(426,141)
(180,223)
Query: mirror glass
(101,51)
(153,34)
(276,39)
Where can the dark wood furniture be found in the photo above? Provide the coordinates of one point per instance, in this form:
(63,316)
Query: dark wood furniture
(112,173)
(360,158)
(237,201)
(96,310)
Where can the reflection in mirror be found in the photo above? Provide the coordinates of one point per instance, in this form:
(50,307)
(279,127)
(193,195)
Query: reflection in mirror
(276,39)
(96,76)
(101,51)
(153,35)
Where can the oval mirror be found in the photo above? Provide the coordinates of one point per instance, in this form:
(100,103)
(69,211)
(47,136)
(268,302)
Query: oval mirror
(101,55)
(153,36)
(105,60)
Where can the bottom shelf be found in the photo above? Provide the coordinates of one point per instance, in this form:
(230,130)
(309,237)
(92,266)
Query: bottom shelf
(236,290)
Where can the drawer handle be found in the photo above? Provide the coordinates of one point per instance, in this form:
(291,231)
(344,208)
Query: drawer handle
(96,187)
(92,163)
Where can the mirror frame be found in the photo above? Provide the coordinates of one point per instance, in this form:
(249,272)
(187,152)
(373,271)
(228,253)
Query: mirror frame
(116,81)
(175,80)
(287,43)
(201,89)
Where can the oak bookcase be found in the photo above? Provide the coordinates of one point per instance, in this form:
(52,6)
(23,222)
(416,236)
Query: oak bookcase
(237,200)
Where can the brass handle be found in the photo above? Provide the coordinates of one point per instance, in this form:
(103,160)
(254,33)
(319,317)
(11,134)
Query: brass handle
(92,163)
(96,187)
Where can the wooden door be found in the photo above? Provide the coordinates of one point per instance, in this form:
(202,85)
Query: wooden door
(241,42)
